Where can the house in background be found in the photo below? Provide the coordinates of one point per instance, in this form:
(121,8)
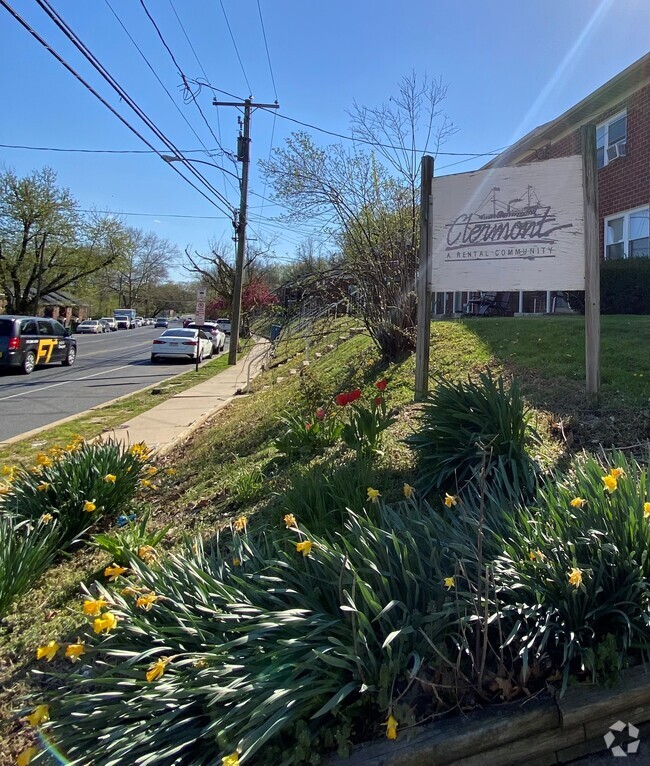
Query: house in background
(57,305)
(621,111)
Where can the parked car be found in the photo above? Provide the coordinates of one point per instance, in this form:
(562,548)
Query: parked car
(93,326)
(215,332)
(161,322)
(182,342)
(28,341)
(224,324)
(110,323)
(139,322)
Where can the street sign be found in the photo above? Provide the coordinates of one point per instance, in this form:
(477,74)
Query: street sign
(199,314)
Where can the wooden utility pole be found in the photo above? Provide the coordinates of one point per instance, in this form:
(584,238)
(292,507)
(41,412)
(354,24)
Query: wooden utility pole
(424,300)
(592,265)
(243,155)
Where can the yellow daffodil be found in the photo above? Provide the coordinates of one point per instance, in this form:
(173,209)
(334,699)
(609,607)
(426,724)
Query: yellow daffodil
(151,470)
(449,582)
(9,470)
(617,473)
(5,489)
(46,518)
(391,727)
(304,547)
(532,555)
(230,760)
(43,487)
(408,491)
(114,571)
(48,651)
(140,451)
(290,520)
(157,669)
(646,510)
(578,502)
(575,577)
(373,495)
(74,651)
(147,553)
(105,623)
(43,459)
(450,500)
(171,471)
(236,562)
(94,606)
(146,601)
(111,478)
(89,506)
(26,757)
(610,482)
(40,715)
(147,484)
(240,524)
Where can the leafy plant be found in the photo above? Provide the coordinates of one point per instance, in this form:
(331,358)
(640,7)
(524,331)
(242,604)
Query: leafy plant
(366,423)
(247,484)
(307,435)
(465,421)
(130,540)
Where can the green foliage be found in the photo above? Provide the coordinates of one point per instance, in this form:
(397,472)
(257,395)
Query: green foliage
(463,424)
(26,550)
(125,543)
(366,425)
(247,484)
(625,286)
(305,435)
(263,656)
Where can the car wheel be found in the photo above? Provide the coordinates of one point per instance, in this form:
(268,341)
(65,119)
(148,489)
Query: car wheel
(70,358)
(29,362)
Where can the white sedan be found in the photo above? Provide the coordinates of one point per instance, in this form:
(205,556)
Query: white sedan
(90,326)
(182,342)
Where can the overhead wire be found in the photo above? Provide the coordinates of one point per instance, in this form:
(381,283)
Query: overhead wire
(99,151)
(87,53)
(266,45)
(89,87)
(232,37)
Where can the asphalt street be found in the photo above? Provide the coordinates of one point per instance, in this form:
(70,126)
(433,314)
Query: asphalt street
(107,366)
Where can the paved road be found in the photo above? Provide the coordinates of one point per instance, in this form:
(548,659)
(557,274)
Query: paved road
(107,366)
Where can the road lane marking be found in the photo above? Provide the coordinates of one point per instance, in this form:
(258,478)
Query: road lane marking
(63,382)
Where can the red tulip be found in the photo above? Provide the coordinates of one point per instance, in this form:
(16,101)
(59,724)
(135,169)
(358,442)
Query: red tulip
(378,400)
(354,395)
(320,413)
(381,384)
(341,399)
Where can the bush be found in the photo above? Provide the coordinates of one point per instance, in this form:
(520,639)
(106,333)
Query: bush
(463,423)
(625,286)
(261,649)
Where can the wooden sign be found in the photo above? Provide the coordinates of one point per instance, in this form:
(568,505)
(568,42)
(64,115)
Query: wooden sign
(512,228)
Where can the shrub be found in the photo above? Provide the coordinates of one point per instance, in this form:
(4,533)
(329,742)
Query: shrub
(260,648)
(132,539)
(307,435)
(464,423)
(625,286)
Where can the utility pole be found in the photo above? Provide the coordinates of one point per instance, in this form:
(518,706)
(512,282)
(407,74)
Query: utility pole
(243,156)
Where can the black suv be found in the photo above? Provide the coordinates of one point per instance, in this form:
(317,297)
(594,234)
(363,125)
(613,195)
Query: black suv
(28,341)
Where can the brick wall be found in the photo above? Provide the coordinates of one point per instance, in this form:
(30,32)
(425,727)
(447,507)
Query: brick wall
(625,183)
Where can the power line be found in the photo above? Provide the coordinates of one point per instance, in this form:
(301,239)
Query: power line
(210,152)
(89,87)
(232,37)
(159,215)
(268,55)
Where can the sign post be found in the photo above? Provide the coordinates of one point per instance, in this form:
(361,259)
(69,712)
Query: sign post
(424,302)
(199,319)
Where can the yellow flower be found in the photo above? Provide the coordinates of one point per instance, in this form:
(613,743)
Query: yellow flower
(25,758)
(114,571)
(290,520)
(610,482)
(48,651)
(94,606)
(5,489)
(449,582)
(129,591)
(43,459)
(151,470)
(617,473)
(43,487)
(74,651)
(147,553)
(40,715)
(111,478)
(575,577)
(578,502)
(408,491)
(304,547)
(171,471)
(146,601)
(391,727)
(157,669)
(236,562)
(230,760)
(646,510)
(373,495)
(532,555)
(140,451)
(450,500)
(147,484)
(89,506)
(9,470)
(46,518)
(240,524)
(106,622)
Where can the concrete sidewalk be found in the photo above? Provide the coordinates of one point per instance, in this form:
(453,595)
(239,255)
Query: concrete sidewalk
(170,423)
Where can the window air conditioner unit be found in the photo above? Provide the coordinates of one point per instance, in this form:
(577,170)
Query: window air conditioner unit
(616,150)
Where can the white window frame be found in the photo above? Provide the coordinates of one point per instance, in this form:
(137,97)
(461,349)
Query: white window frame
(605,124)
(625,215)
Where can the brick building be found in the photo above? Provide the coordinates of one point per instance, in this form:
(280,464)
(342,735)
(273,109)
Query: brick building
(620,110)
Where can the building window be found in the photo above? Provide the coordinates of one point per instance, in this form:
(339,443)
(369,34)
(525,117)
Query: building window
(627,234)
(611,139)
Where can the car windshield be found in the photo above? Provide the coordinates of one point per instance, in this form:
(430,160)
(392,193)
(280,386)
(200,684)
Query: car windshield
(89,321)
(179,333)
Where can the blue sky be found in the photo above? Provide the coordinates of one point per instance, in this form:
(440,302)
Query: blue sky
(509,65)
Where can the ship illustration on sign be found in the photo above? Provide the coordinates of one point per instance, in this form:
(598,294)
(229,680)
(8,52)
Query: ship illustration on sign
(522,220)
